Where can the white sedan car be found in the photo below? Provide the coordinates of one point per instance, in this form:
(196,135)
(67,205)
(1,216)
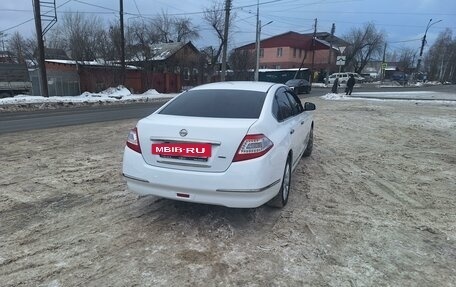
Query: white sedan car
(233,144)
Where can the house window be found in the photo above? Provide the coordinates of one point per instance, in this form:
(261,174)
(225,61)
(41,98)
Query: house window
(294,52)
(279,52)
(277,67)
(186,74)
(261,53)
(300,53)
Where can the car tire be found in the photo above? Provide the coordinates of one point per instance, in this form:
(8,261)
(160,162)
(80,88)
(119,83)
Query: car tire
(308,150)
(281,199)
(308,91)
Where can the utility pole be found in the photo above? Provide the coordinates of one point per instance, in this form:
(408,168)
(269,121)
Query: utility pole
(333,30)
(122,44)
(257,44)
(41,60)
(383,62)
(2,35)
(423,42)
(313,51)
(225,38)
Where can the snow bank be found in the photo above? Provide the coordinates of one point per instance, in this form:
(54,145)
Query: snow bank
(151,92)
(319,85)
(332,96)
(114,94)
(415,97)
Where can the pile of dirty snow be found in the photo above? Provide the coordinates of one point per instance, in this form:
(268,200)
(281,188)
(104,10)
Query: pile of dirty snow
(114,95)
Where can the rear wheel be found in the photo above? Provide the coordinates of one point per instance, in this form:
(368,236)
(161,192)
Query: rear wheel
(309,147)
(281,199)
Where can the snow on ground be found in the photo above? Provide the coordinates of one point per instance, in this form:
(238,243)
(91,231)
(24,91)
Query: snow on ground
(319,85)
(384,84)
(118,94)
(415,96)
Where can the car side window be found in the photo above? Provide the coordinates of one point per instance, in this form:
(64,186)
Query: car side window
(283,108)
(295,103)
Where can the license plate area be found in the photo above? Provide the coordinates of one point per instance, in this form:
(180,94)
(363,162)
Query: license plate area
(183,151)
(197,159)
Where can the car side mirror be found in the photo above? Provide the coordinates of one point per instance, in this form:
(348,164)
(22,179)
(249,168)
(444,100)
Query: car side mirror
(309,106)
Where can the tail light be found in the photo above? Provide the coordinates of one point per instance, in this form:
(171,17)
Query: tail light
(133,140)
(253,146)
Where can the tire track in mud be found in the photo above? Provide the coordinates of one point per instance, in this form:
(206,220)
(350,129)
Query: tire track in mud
(391,192)
(373,179)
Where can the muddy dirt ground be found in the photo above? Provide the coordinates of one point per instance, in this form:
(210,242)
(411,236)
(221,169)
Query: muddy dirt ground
(375,205)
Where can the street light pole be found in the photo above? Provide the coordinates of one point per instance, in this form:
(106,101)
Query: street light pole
(423,42)
(257,46)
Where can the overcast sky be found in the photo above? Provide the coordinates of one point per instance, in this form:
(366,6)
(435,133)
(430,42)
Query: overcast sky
(401,20)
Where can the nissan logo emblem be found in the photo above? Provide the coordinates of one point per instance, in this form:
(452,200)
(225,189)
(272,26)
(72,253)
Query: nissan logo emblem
(183,132)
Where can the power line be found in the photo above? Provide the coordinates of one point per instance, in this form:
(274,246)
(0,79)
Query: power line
(97,6)
(15,26)
(404,41)
(177,14)
(32,19)
(137,8)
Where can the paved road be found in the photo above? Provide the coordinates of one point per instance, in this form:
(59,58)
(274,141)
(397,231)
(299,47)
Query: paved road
(21,121)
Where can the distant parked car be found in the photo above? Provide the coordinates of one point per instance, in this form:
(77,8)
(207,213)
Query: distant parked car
(299,86)
(400,77)
(231,143)
(358,78)
(367,78)
(343,77)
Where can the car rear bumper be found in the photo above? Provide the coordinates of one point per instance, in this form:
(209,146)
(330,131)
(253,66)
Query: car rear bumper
(242,185)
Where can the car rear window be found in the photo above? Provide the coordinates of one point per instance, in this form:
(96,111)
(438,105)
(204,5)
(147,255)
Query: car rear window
(217,104)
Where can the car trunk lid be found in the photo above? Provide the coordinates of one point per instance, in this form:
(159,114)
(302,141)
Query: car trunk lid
(223,136)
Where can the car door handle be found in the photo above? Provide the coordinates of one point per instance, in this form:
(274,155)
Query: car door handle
(292,131)
(303,122)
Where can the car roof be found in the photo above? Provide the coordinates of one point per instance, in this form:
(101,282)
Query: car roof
(237,85)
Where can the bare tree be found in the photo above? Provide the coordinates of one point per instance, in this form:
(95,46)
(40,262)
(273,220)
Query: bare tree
(184,29)
(22,49)
(79,34)
(211,55)
(107,48)
(138,38)
(163,26)
(215,17)
(17,47)
(173,29)
(366,43)
(241,62)
(440,61)
(407,58)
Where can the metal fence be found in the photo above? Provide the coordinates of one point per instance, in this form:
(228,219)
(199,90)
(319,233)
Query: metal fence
(59,83)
